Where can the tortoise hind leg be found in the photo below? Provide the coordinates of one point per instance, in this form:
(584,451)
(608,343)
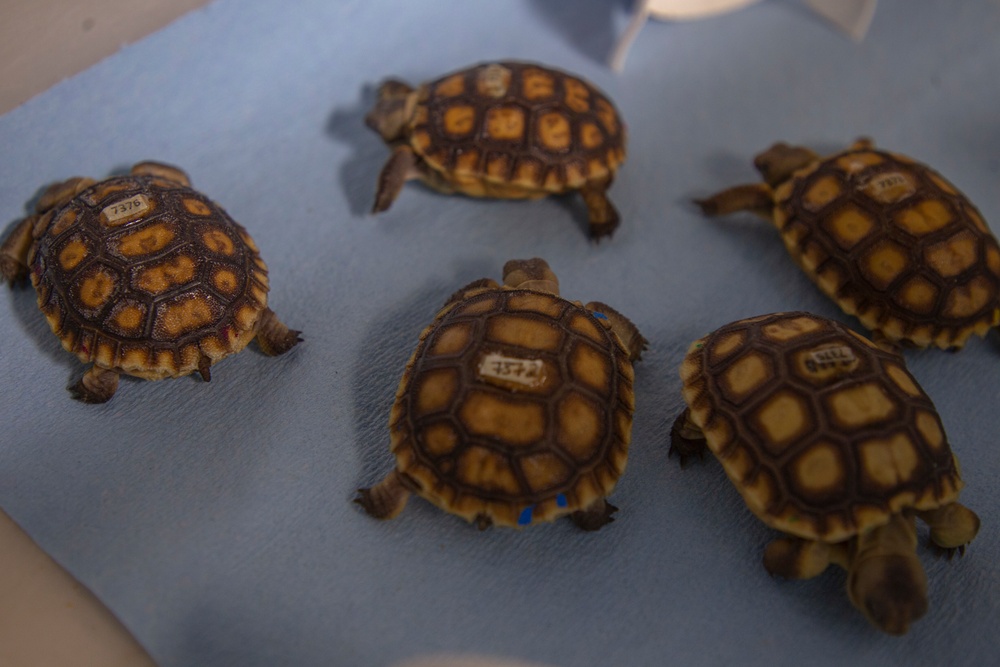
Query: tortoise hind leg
(686,439)
(885,343)
(796,558)
(97,385)
(601,213)
(273,337)
(595,515)
(386,499)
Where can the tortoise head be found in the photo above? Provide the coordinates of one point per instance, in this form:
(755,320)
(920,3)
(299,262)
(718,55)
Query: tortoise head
(885,580)
(533,274)
(780,161)
(890,590)
(392,109)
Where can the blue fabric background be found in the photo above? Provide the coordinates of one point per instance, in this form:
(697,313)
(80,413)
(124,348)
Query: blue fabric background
(215,519)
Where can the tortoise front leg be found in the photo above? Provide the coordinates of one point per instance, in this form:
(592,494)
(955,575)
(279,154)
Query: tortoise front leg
(952,526)
(757,198)
(273,337)
(97,385)
(58,194)
(796,558)
(595,515)
(601,213)
(14,251)
(386,499)
(686,438)
(399,168)
(161,170)
(476,285)
(623,327)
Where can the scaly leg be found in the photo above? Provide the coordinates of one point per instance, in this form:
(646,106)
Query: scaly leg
(97,385)
(602,214)
(273,337)
(885,343)
(757,198)
(686,438)
(626,331)
(796,558)
(386,499)
(14,251)
(594,516)
(58,194)
(482,283)
(952,526)
(161,170)
(400,167)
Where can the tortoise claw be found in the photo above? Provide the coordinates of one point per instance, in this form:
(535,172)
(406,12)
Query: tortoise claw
(97,385)
(945,552)
(594,517)
(684,453)
(205,368)
(12,271)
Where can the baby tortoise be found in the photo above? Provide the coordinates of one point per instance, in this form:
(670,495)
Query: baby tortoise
(142,275)
(830,440)
(887,238)
(515,408)
(510,129)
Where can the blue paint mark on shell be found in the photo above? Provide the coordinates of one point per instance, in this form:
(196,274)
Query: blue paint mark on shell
(600,316)
(561,500)
(525,518)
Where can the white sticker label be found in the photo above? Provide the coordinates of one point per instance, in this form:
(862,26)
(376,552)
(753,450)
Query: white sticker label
(126,210)
(890,188)
(830,358)
(528,372)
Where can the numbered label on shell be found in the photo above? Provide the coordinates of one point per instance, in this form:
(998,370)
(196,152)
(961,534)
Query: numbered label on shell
(890,187)
(126,210)
(828,362)
(526,372)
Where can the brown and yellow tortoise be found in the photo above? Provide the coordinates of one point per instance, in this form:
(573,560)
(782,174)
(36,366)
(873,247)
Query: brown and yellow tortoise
(515,408)
(143,275)
(511,130)
(830,440)
(886,237)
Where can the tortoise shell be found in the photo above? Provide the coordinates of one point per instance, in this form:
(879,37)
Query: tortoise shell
(516,406)
(513,129)
(893,243)
(147,276)
(824,434)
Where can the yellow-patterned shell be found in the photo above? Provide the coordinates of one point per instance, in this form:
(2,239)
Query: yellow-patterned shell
(824,434)
(516,405)
(514,129)
(895,244)
(146,276)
